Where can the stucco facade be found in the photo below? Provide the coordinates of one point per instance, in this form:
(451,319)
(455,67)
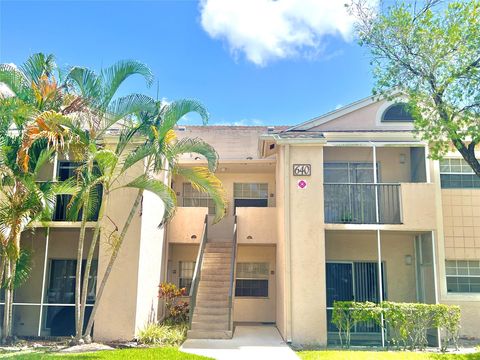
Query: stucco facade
(367,208)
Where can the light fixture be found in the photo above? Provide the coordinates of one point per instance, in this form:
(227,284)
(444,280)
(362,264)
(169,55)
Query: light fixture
(249,237)
(408,259)
(223,169)
(193,237)
(249,158)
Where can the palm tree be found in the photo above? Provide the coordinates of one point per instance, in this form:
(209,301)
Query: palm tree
(104,114)
(32,128)
(160,152)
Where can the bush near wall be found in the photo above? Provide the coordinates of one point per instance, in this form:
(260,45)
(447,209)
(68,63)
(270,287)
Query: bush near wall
(406,324)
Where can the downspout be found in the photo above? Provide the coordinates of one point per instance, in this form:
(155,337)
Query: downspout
(288,247)
(379,244)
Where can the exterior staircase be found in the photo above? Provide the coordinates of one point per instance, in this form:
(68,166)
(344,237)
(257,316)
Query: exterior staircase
(211,314)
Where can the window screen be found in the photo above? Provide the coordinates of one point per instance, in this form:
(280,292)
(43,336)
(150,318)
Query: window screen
(252,280)
(463,276)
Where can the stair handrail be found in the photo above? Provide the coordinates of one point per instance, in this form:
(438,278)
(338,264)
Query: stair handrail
(232,274)
(197,271)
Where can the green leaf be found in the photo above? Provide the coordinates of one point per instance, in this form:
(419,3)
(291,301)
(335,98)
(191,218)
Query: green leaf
(163,191)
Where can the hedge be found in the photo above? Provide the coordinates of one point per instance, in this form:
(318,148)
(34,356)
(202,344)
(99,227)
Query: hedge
(406,324)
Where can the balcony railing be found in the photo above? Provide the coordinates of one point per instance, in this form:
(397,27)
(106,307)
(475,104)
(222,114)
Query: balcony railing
(356,203)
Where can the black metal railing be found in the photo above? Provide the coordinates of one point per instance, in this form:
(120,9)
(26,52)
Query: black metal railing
(197,272)
(232,275)
(356,203)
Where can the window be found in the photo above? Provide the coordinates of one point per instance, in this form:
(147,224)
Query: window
(252,280)
(60,319)
(457,174)
(250,195)
(61,286)
(185,274)
(67,170)
(397,113)
(463,276)
(194,198)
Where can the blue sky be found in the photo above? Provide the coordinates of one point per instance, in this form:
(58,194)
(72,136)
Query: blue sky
(206,61)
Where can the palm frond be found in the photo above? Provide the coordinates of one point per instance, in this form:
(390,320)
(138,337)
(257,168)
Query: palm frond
(23,268)
(196,146)
(106,161)
(113,76)
(16,81)
(38,65)
(86,81)
(163,191)
(173,112)
(133,157)
(205,181)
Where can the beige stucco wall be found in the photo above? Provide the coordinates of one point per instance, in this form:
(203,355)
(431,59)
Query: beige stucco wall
(362,246)
(228,179)
(281,273)
(257,225)
(308,306)
(418,206)
(177,253)
(187,222)
(461,209)
(257,309)
(365,118)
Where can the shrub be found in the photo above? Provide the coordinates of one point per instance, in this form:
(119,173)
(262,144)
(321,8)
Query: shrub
(164,335)
(176,309)
(407,324)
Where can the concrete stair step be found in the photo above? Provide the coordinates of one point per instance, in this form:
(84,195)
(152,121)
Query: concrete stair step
(215,260)
(204,298)
(219,249)
(215,270)
(226,244)
(210,318)
(215,303)
(215,277)
(210,310)
(209,255)
(205,290)
(223,325)
(215,283)
(213,334)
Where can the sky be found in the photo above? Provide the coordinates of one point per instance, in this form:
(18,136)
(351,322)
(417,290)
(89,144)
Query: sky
(250,62)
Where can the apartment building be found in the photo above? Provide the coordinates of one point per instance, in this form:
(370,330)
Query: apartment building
(346,206)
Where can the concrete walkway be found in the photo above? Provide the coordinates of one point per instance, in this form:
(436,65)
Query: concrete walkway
(249,342)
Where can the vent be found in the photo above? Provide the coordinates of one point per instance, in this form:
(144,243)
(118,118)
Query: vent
(181,128)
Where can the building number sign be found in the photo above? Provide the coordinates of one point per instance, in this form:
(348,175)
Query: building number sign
(302,169)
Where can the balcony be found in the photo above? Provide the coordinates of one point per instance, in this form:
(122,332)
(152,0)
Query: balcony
(257,225)
(61,210)
(356,203)
(186,226)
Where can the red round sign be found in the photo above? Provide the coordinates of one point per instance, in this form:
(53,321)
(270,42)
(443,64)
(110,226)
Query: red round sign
(302,184)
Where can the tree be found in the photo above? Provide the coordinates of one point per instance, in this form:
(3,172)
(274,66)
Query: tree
(429,52)
(104,113)
(160,152)
(31,130)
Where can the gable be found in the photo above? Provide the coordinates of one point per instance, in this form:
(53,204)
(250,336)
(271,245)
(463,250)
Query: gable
(364,115)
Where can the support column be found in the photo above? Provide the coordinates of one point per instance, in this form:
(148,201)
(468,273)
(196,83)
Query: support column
(44,277)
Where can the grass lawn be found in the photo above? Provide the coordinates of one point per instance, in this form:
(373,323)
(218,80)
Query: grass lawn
(381,355)
(130,354)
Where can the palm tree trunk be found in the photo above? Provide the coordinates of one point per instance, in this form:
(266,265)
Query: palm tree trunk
(88,264)
(112,259)
(6,309)
(12,287)
(78,273)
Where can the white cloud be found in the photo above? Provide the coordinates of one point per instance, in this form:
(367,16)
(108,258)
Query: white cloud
(266,30)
